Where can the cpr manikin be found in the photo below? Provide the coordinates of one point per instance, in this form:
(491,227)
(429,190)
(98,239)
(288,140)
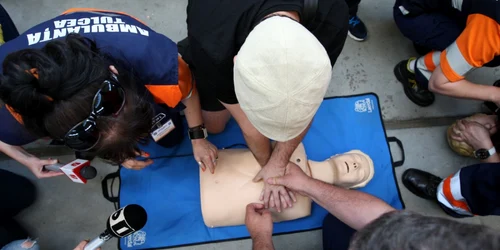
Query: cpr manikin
(225,194)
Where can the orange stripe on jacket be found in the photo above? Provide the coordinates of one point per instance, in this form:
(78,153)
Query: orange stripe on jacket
(449,196)
(480,40)
(14,114)
(429,62)
(173,94)
(72,10)
(479,43)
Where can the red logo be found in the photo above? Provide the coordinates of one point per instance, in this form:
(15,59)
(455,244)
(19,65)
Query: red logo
(73,176)
(75,164)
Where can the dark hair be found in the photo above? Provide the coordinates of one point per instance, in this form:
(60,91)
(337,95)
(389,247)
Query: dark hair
(408,230)
(70,72)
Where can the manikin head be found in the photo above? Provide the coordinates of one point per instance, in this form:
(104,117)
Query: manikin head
(352,169)
(461,147)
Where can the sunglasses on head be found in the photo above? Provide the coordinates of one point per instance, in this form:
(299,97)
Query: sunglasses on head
(108,101)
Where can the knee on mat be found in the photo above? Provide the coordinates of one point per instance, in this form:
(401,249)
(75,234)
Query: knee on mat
(215,128)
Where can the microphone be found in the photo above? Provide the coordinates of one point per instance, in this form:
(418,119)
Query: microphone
(78,171)
(121,223)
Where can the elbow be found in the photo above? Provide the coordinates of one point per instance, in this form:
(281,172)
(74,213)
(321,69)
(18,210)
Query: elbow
(433,86)
(436,87)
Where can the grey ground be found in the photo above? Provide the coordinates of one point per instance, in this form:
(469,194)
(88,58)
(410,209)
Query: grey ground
(65,212)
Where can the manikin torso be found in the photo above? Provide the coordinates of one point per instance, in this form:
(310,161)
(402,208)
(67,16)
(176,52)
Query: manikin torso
(225,194)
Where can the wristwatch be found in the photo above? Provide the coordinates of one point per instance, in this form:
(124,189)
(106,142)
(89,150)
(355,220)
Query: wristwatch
(198,132)
(483,154)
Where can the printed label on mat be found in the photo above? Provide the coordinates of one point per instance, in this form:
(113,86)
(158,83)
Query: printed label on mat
(136,239)
(364,105)
(161,127)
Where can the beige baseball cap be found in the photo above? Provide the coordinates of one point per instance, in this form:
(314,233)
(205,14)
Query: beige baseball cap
(281,75)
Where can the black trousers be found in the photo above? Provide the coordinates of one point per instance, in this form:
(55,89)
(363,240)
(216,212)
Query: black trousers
(9,29)
(353,6)
(17,194)
(336,234)
(479,185)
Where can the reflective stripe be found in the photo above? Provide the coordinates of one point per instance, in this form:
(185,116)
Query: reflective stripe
(422,68)
(431,60)
(457,4)
(16,115)
(436,57)
(456,60)
(450,195)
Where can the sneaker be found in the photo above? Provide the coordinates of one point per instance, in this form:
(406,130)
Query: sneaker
(357,29)
(421,97)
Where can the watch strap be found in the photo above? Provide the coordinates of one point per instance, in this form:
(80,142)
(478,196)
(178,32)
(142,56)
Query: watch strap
(492,151)
(199,132)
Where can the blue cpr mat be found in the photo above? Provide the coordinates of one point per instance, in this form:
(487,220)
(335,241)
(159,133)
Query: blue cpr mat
(169,188)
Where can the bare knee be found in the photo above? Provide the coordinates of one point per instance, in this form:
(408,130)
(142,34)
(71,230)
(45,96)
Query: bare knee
(23,244)
(215,128)
(29,244)
(215,121)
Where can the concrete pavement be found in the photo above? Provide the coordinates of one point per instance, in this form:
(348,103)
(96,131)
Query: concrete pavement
(65,213)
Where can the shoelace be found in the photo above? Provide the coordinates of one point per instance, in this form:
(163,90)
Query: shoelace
(354,21)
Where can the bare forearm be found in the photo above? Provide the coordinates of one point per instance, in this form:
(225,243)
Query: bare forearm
(492,159)
(15,152)
(495,158)
(355,208)
(262,243)
(468,90)
(259,145)
(193,110)
(283,150)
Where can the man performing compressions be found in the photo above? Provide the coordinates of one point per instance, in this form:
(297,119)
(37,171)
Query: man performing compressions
(377,224)
(281,54)
(464,34)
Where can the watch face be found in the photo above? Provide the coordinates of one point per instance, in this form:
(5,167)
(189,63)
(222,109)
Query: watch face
(482,154)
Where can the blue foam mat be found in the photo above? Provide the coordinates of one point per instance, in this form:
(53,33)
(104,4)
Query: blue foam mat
(169,188)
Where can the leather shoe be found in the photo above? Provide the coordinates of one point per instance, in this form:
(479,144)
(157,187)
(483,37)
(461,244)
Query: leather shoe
(418,95)
(421,183)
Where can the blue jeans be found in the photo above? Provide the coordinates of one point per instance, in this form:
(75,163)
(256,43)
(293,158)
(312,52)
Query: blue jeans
(22,245)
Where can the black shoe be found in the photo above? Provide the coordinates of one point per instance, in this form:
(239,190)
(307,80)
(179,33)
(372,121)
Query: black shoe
(490,105)
(415,93)
(357,29)
(421,183)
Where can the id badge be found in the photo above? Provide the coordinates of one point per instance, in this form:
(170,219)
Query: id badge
(161,126)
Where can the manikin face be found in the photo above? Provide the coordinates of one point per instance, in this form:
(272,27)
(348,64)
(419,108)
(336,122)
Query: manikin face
(352,169)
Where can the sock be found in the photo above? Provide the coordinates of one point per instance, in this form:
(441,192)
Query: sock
(411,64)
